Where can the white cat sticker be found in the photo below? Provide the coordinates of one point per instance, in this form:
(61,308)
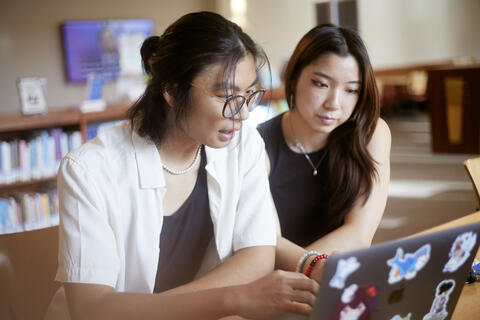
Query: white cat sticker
(345,267)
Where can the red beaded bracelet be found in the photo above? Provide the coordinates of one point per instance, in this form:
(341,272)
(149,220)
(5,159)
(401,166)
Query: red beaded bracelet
(314,261)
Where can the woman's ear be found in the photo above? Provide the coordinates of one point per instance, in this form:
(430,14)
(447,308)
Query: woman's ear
(169,98)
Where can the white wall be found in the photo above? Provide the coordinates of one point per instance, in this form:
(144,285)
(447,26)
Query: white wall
(405,32)
(396,32)
(277,25)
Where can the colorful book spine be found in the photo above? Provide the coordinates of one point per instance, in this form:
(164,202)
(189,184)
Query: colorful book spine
(37,158)
(29,211)
(6,163)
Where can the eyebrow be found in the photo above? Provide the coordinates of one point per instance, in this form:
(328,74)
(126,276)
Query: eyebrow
(219,86)
(324,75)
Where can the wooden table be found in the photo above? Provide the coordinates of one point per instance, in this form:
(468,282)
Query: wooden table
(468,306)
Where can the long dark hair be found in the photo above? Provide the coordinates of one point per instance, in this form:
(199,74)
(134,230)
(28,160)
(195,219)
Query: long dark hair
(172,61)
(351,168)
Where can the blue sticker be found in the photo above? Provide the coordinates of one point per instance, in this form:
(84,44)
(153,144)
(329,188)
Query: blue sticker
(476,267)
(406,266)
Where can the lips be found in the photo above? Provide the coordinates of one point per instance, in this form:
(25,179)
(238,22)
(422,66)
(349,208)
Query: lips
(226,135)
(326,120)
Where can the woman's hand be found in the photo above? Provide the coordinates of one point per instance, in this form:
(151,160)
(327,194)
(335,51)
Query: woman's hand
(275,294)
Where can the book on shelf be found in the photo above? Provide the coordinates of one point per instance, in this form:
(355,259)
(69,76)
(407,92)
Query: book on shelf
(29,211)
(93,129)
(36,158)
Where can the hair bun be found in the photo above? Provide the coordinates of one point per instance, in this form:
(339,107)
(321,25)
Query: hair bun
(149,46)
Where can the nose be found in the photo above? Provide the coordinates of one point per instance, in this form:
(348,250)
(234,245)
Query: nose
(333,99)
(243,114)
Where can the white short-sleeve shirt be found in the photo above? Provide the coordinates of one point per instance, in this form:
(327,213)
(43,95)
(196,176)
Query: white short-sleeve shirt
(111,193)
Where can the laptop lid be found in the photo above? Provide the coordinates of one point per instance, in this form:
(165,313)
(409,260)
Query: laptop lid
(411,278)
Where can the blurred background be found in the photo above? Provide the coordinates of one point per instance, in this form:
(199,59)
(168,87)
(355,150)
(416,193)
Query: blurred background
(425,55)
(398,33)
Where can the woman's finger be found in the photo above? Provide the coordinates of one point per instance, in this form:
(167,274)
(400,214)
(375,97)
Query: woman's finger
(303,297)
(299,308)
(305,284)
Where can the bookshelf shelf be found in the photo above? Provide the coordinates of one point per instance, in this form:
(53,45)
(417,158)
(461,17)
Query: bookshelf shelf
(34,185)
(25,185)
(57,118)
(31,148)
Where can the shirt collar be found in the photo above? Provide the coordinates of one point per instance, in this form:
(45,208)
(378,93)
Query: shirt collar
(149,163)
(216,161)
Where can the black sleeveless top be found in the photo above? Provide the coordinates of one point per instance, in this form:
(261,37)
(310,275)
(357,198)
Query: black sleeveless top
(185,236)
(300,197)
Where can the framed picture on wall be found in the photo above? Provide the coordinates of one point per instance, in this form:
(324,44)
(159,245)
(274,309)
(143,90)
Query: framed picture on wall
(32,92)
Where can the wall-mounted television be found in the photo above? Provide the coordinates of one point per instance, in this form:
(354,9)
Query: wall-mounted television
(108,47)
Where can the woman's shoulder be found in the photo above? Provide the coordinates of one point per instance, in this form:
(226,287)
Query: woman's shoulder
(381,140)
(270,125)
(110,141)
(271,131)
(382,131)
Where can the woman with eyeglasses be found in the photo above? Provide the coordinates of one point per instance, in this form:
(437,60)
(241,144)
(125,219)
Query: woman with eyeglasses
(169,215)
(329,155)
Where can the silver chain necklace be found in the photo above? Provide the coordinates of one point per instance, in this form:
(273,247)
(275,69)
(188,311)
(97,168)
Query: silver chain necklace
(299,145)
(190,167)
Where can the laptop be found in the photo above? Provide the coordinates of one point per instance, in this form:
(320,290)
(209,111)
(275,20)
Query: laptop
(411,278)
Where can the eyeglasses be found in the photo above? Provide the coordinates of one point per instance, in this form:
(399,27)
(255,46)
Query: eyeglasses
(234,103)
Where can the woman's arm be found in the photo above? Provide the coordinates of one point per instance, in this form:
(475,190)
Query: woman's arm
(288,253)
(363,220)
(268,297)
(246,265)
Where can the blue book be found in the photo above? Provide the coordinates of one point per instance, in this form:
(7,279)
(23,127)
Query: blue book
(5,221)
(92,130)
(33,158)
(46,154)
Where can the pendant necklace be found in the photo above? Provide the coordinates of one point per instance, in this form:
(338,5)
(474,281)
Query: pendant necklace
(190,167)
(299,145)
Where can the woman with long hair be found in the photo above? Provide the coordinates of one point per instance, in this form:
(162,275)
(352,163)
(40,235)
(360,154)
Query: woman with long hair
(328,155)
(165,216)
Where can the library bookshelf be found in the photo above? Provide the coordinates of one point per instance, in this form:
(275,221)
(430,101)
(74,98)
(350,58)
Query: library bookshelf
(31,148)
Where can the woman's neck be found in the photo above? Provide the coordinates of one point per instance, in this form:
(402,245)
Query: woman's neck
(295,128)
(178,149)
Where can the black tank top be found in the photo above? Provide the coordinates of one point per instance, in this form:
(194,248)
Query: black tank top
(299,196)
(185,236)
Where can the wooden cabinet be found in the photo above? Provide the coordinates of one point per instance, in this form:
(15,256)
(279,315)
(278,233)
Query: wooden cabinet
(31,148)
(453,96)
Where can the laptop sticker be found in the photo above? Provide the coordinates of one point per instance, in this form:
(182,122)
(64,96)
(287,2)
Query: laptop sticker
(398,317)
(406,266)
(438,311)
(476,269)
(460,251)
(345,267)
(356,303)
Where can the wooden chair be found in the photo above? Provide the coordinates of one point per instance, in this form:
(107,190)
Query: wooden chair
(473,168)
(28,262)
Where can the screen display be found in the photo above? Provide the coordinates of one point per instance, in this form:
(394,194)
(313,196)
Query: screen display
(107,47)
